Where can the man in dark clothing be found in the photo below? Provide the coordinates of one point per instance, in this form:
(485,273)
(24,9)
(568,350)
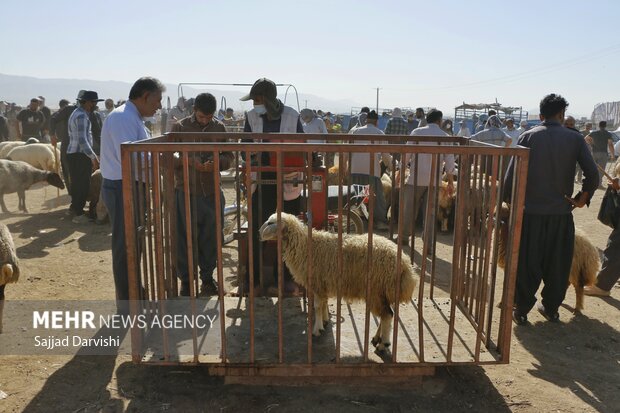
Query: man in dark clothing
(270,115)
(59,132)
(4,129)
(548,232)
(30,121)
(601,141)
(45,130)
(202,197)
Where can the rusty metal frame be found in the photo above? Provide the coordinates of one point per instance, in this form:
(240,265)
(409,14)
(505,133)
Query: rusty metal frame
(151,249)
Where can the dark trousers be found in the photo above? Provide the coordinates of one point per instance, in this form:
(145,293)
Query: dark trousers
(610,271)
(112,193)
(204,232)
(80,168)
(545,254)
(269,204)
(64,163)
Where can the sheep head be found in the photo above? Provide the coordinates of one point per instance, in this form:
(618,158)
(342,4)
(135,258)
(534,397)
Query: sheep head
(269,230)
(54,179)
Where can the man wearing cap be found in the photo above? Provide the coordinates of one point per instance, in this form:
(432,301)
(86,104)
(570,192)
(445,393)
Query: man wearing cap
(358,120)
(493,134)
(30,121)
(269,115)
(81,157)
(511,131)
(360,168)
(412,122)
(202,197)
(59,131)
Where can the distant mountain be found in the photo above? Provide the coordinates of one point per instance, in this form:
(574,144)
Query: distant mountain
(20,89)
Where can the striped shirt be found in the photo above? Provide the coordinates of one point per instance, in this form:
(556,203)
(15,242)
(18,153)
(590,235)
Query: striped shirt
(80,134)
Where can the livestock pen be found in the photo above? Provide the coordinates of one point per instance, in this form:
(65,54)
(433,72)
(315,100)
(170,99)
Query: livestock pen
(459,314)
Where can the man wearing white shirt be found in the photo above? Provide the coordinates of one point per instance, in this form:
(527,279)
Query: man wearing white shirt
(124,124)
(511,131)
(463,130)
(360,168)
(434,118)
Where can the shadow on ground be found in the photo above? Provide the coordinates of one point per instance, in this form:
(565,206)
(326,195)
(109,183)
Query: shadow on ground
(558,346)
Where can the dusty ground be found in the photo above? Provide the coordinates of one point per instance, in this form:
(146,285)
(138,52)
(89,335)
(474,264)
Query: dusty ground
(569,367)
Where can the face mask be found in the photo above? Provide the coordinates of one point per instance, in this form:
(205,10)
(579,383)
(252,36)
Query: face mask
(260,109)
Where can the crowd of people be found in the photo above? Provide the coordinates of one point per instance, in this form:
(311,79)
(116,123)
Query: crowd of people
(90,139)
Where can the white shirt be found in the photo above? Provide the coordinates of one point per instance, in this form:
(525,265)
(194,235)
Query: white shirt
(425,160)
(316,125)
(464,132)
(124,124)
(514,134)
(360,161)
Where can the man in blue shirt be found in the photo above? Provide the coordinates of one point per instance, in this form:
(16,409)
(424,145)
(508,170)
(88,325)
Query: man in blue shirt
(548,232)
(124,124)
(81,157)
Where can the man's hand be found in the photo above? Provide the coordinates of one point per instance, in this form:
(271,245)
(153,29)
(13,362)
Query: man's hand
(589,140)
(95,163)
(203,166)
(54,140)
(579,200)
(614,183)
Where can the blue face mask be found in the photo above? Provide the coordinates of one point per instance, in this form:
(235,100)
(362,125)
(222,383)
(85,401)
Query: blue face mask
(260,109)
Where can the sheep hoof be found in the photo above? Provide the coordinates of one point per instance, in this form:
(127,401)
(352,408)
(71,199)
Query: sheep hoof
(316,333)
(383,347)
(325,323)
(375,341)
(577,311)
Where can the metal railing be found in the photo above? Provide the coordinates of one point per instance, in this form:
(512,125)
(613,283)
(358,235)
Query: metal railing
(451,319)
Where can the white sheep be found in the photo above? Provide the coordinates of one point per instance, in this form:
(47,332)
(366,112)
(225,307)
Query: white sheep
(9,264)
(17,176)
(583,270)
(326,281)
(39,155)
(6,147)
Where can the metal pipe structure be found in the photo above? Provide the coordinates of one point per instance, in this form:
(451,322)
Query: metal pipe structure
(451,318)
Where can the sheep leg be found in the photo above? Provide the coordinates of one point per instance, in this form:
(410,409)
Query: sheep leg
(318,317)
(1,305)
(325,308)
(385,328)
(579,298)
(21,195)
(2,205)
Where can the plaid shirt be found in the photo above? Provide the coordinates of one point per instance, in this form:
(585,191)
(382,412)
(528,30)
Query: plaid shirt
(80,134)
(396,126)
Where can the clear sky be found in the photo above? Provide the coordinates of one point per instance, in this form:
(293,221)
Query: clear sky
(432,53)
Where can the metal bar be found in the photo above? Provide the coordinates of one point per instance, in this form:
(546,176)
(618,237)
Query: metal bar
(132,256)
(339,219)
(460,248)
(190,250)
(310,249)
(371,216)
(487,263)
(218,237)
(161,296)
(399,253)
(280,263)
(250,252)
